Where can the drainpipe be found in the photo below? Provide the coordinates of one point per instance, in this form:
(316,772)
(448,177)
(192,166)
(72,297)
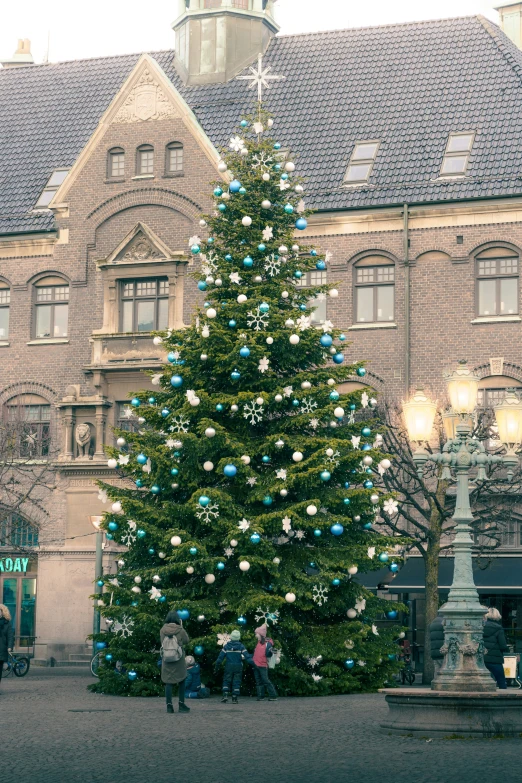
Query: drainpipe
(406,303)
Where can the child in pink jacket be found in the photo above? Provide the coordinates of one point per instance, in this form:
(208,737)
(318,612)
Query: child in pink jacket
(262,653)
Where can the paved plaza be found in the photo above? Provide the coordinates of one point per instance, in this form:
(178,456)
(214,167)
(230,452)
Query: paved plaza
(55,731)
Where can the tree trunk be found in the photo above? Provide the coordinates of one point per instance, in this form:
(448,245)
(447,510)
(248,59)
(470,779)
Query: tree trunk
(431,562)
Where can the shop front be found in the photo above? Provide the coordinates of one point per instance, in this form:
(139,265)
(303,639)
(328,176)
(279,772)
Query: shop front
(18,575)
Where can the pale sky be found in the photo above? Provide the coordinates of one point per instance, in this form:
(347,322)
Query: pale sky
(105,27)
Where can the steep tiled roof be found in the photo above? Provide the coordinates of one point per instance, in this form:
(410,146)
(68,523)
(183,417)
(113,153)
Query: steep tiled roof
(408,85)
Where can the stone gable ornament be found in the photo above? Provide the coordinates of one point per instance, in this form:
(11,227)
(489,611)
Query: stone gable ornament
(146,101)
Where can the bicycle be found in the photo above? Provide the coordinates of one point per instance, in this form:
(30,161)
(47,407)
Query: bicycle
(97,659)
(18,664)
(407,673)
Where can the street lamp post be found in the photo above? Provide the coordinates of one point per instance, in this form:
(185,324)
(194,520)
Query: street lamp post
(98,571)
(463,668)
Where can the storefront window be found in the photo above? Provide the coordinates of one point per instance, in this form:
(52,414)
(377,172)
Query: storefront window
(18,593)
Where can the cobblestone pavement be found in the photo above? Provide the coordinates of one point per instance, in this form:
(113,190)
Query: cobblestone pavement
(54,731)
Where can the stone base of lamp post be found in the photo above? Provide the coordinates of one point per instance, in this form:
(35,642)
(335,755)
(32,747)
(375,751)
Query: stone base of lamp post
(426,713)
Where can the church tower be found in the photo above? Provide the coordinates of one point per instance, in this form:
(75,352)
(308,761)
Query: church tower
(216,39)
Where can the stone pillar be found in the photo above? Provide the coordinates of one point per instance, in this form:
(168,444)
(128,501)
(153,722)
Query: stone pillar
(68,423)
(101,417)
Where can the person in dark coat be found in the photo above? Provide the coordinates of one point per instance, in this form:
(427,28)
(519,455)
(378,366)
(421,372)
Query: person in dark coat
(193,681)
(175,672)
(495,646)
(436,642)
(233,653)
(6,636)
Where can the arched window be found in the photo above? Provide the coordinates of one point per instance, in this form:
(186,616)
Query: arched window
(5,301)
(497,282)
(374,283)
(16,531)
(116,163)
(28,422)
(145,160)
(52,308)
(174,159)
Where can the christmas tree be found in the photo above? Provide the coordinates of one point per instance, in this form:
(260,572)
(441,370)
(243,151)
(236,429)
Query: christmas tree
(250,480)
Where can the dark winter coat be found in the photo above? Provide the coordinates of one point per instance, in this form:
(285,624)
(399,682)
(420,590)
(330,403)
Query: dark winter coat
(193,681)
(436,638)
(6,638)
(172,673)
(494,642)
(233,654)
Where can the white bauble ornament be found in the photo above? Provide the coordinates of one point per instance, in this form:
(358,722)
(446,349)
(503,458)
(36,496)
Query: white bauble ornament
(174,486)
(141,420)
(202,222)
(205,332)
(289,322)
(290,598)
(242,298)
(175,540)
(243,151)
(258,279)
(201,618)
(294,339)
(374,499)
(136,589)
(209,279)
(156,579)
(121,442)
(282,249)
(178,444)
(116,507)
(402,635)
(329,452)
(269,340)
(222,167)
(306,385)
(225,196)
(234,408)
(295,248)
(108,621)
(121,563)
(285,295)
(210,432)
(353,570)
(367,461)
(266,176)
(297,456)
(332,350)
(246,220)
(245,459)
(279,443)
(339,412)
(260,401)
(298,188)
(208,466)
(190,569)
(244,565)
(351,614)
(219,282)
(211,313)
(373,402)
(276,560)
(162,555)
(112,463)
(333,424)
(204,357)
(386,464)
(289,166)
(333,293)
(270,123)
(284,493)
(278,398)
(266,204)
(210,579)
(311,510)
(233,543)
(194,401)
(157,340)
(357,518)
(330,382)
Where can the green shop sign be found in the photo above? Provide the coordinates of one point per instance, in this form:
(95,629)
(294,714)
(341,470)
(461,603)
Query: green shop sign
(14,564)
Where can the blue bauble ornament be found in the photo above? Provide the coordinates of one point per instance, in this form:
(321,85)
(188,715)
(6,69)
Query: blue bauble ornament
(367,526)
(139,483)
(202,285)
(295,403)
(298,274)
(321,265)
(289,209)
(347,485)
(392,614)
(165,412)
(277,167)
(342,337)
(141,459)
(203,500)
(349,663)
(255,538)
(135,402)
(392,656)
(267,500)
(232,323)
(313,252)
(248,262)
(326,340)
(336,582)
(108,657)
(151,551)
(284,176)
(199,649)
(244,352)
(266,459)
(384,557)
(109,536)
(277,146)
(241,620)
(325,475)
(361,372)
(338,358)
(195,249)
(133,603)
(337,529)
(100,583)
(244,123)
(235,375)
(220,566)
(132,675)
(184,614)
(353,406)
(228,257)
(234,186)
(141,533)
(318,533)
(218,192)
(261,247)
(366,447)
(242,190)
(176,381)
(264,307)
(303,308)
(152,400)
(162,599)
(366,432)
(301,223)
(230,471)
(222,207)
(113,525)
(193,550)
(155,489)
(368,484)
(220,408)
(347,501)
(393,567)
(334,396)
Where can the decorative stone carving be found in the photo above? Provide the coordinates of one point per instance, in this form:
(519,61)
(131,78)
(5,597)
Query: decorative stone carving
(82,436)
(146,101)
(496,366)
(141,249)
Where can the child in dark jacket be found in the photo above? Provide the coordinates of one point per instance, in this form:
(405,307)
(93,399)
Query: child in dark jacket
(233,653)
(193,681)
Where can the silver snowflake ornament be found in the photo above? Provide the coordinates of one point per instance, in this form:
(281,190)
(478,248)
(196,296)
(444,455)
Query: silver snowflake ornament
(243,525)
(179,424)
(208,514)
(260,77)
(236,143)
(307,405)
(267,615)
(262,161)
(129,536)
(272,265)
(300,534)
(263,364)
(124,626)
(251,481)
(257,320)
(319,594)
(228,551)
(253,412)
(333,459)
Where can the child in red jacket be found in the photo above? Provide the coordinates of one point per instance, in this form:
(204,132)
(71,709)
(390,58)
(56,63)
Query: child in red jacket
(262,653)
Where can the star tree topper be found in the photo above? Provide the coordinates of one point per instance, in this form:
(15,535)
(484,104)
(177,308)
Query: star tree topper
(260,77)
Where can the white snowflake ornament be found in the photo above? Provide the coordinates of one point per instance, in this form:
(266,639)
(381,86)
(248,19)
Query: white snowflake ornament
(257,320)
(243,525)
(320,594)
(268,233)
(287,524)
(360,605)
(129,535)
(390,507)
(263,364)
(223,638)
(236,143)
(208,514)
(272,265)
(253,412)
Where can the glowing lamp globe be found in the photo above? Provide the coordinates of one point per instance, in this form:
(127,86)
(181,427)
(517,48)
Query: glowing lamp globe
(463,389)
(509,420)
(419,414)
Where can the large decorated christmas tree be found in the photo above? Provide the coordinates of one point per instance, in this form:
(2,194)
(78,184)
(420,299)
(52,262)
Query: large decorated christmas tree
(250,488)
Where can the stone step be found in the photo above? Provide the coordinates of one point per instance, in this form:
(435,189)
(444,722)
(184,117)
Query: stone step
(73,663)
(80,657)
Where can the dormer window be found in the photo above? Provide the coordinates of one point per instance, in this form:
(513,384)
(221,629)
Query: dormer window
(116,163)
(361,163)
(456,157)
(145,160)
(53,183)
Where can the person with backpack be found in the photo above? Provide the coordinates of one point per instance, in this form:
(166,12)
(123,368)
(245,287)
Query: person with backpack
(495,646)
(262,654)
(173,665)
(233,654)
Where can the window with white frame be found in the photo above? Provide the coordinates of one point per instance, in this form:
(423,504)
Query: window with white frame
(144,305)
(309,280)
(116,163)
(145,160)
(374,290)
(497,282)
(456,157)
(5,301)
(52,308)
(361,162)
(174,159)
(53,183)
